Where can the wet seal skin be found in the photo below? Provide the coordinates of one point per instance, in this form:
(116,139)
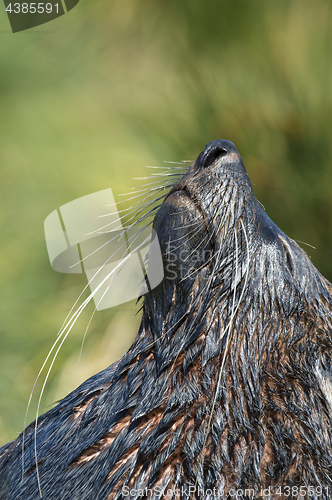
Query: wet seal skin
(226,391)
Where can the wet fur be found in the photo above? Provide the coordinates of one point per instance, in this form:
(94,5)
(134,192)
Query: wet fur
(228,384)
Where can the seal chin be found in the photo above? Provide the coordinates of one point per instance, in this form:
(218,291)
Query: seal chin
(184,200)
(182,218)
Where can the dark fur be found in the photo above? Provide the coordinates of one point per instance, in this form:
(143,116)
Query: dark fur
(228,383)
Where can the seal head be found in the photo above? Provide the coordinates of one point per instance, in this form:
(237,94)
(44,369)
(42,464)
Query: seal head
(227,387)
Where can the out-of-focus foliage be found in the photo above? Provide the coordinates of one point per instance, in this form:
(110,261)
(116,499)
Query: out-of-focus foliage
(91,98)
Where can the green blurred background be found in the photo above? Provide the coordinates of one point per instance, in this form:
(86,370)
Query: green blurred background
(88,100)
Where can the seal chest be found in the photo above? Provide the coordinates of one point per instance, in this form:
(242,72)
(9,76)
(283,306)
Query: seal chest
(226,391)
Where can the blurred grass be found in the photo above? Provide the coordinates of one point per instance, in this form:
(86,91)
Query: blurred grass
(91,98)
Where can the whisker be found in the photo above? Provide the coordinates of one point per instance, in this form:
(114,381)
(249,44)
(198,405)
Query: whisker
(183,167)
(162,175)
(178,162)
(307,244)
(149,190)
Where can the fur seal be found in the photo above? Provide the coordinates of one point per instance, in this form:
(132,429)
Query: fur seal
(226,391)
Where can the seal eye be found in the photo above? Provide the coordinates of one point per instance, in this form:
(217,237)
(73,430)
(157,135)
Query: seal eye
(211,155)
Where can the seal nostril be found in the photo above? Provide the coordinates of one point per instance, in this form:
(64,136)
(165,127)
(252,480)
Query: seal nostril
(210,155)
(214,155)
